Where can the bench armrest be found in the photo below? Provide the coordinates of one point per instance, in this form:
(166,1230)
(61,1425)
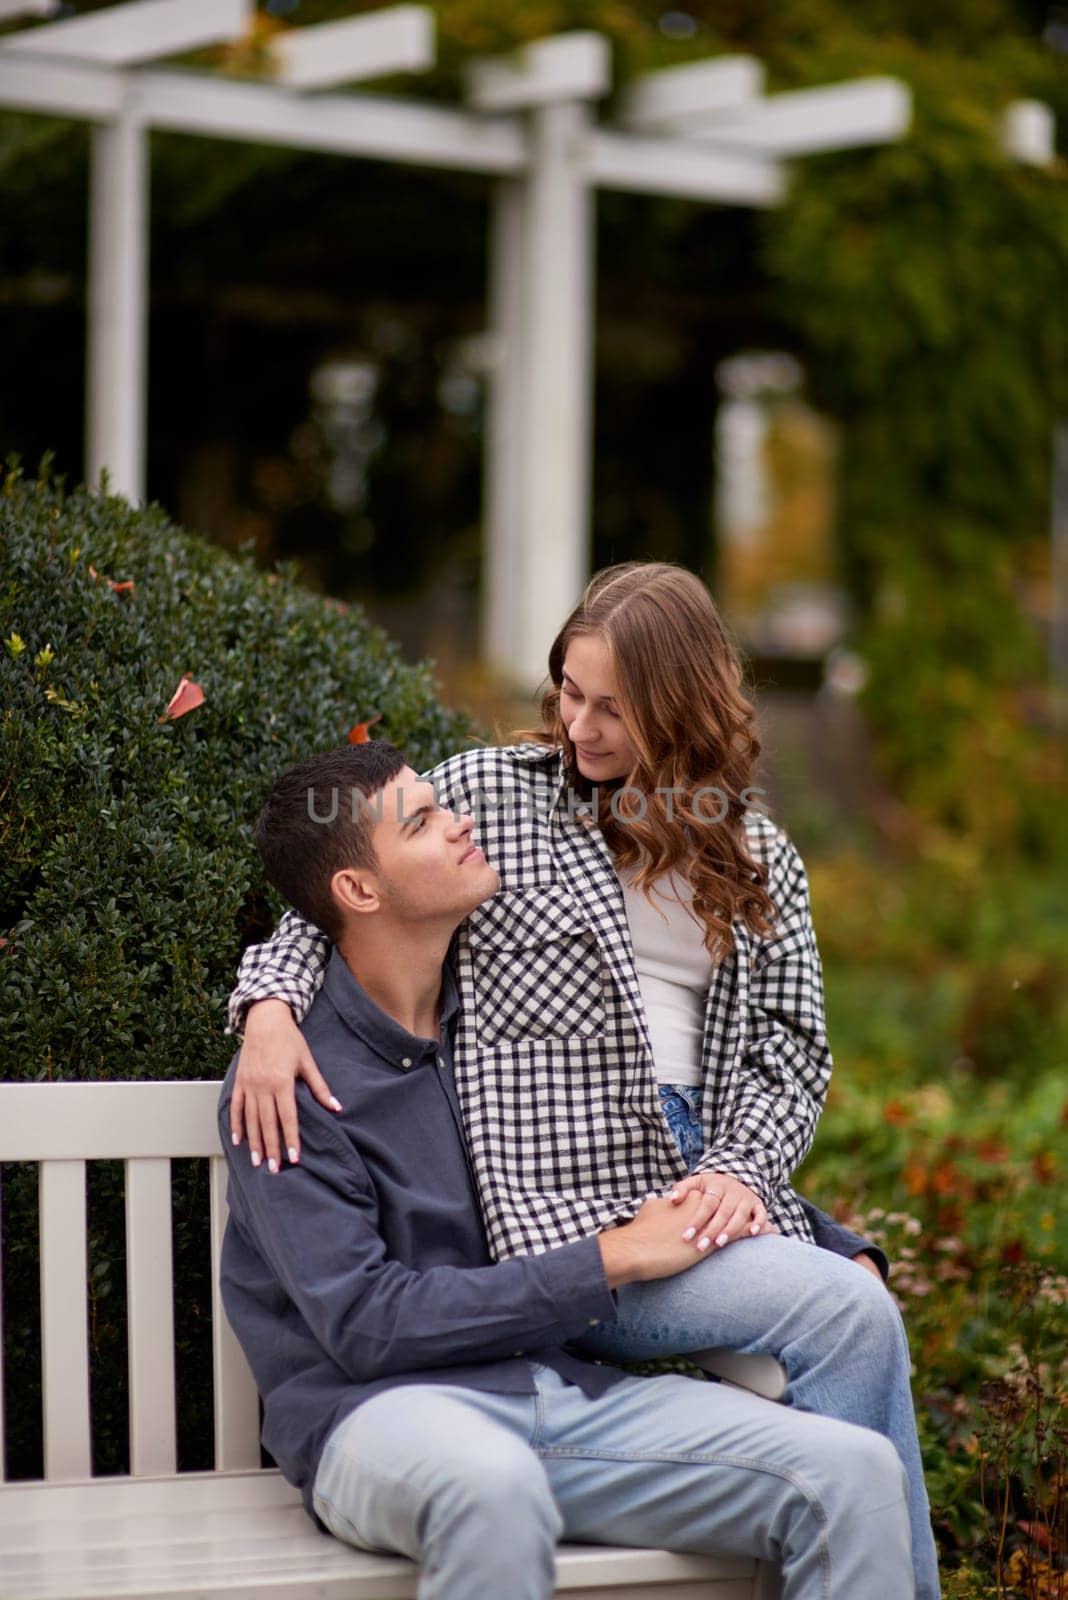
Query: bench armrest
(761,1374)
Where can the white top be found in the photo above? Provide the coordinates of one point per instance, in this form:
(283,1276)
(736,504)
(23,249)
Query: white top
(674,972)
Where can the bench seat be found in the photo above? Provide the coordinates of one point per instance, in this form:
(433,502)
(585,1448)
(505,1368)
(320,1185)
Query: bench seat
(239,1536)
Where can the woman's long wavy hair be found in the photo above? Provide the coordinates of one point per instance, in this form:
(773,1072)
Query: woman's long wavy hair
(679,682)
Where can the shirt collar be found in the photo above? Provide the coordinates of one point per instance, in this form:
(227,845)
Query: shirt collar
(381,1032)
(560,778)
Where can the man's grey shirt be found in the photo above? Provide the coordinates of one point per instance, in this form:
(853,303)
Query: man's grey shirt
(366,1266)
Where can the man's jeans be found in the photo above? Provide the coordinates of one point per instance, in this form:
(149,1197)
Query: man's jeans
(479,1487)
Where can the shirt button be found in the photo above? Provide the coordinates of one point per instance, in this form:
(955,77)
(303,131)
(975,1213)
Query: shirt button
(594,1322)
(407,1061)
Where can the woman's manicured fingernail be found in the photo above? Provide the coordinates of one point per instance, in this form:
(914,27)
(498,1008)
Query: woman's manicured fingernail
(674,1195)
(704,1242)
(335,1104)
(235,1138)
(690,1233)
(256,1158)
(723,1238)
(272,1165)
(754,1228)
(293,1154)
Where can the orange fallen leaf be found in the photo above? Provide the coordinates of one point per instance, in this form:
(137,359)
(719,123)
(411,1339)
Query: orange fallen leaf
(126,587)
(186,697)
(360,734)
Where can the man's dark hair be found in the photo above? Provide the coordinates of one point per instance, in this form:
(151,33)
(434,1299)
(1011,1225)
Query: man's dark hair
(318,820)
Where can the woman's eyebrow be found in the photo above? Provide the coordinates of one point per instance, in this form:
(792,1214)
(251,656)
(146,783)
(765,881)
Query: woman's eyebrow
(565,677)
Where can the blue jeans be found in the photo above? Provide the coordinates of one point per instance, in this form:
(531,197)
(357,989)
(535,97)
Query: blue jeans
(681,1105)
(838,1334)
(479,1487)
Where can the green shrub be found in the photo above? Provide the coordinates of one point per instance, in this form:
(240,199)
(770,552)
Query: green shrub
(946,1136)
(128,880)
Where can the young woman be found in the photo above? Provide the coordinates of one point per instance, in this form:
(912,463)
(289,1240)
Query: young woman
(641,1010)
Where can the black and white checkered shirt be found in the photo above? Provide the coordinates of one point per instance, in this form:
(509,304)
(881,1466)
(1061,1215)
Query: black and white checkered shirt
(554,1068)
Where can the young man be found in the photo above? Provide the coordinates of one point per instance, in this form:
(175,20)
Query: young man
(421,1397)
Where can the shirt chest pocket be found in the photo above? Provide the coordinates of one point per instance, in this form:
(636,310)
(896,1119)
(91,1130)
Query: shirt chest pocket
(536,969)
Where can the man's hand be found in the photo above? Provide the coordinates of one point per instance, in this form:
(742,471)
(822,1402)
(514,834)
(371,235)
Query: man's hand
(651,1245)
(273,1056)
(728,1210)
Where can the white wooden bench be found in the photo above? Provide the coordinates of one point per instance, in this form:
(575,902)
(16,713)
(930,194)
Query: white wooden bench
(237,1532)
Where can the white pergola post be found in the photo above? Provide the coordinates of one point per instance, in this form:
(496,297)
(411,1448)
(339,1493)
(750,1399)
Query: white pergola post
(501,461)
(116,346)
(556,378)
(536,553)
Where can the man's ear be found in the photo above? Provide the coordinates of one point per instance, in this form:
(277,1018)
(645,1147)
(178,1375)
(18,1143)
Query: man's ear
(355,890)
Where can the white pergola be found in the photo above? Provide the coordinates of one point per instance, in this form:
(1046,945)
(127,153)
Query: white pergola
(705,132)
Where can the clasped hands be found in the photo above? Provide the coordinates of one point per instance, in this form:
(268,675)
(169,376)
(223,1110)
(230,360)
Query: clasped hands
(729,1210)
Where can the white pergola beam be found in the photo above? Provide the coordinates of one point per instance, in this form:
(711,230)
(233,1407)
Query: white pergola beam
(143,30)
(807,121)
(343,124)
(401,39)
(213,107)
(668,99)
(689,171)
(568,66)
(59,88)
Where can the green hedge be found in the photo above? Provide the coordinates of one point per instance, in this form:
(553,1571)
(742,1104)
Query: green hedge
(128,879)
(128,882)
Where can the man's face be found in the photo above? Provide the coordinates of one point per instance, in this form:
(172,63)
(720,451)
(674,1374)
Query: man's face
(428,867)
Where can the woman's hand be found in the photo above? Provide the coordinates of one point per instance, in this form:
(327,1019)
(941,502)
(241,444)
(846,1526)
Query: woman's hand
(863,1259)
(728,1211)
(273,1056)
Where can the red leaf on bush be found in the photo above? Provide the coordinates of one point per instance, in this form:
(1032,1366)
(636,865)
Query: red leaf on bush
(127,587)
(360,734)
(186,697)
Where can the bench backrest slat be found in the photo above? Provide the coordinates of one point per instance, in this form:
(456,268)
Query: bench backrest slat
(64,1321)
(150,1316)
(3,1376)
(237,1405)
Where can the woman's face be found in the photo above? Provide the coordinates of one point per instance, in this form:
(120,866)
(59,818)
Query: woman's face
(589,710)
